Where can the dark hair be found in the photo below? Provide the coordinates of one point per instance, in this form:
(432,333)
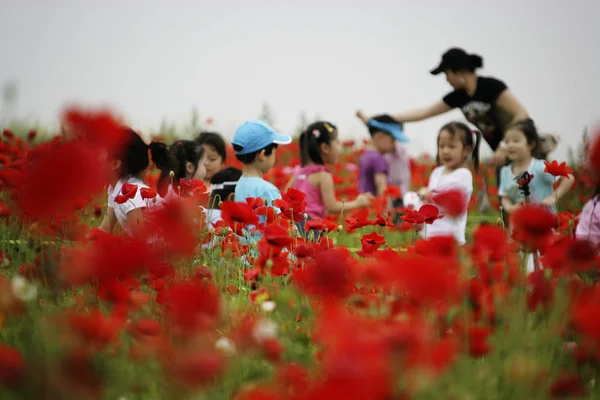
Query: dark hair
(227,177)
(382,118)
(475,62)
(466,135)
(214,140)
(311,140)
(527,126)
(175,159)
(250,157)
(134,153)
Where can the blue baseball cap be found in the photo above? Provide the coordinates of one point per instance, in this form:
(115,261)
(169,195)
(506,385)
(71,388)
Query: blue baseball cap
(255,135)
(389,127)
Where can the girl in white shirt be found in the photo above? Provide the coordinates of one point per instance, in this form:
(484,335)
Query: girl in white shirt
(456,148)
(126,206)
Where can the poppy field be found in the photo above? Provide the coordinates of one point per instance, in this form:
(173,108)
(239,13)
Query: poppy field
(361,307)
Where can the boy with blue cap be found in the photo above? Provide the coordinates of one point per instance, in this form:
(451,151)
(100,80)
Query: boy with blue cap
(255,143)
(388,162)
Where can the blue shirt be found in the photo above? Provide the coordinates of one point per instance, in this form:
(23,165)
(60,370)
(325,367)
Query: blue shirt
(541,185)
(251,186)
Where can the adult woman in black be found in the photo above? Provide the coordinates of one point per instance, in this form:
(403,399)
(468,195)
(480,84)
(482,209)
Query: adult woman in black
(486,102)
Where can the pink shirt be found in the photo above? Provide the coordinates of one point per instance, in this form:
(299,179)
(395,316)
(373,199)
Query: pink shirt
(399,168)
(315,208)
(589,222)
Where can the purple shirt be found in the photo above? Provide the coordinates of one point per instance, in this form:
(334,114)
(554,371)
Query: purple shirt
(371,163)
(399,168)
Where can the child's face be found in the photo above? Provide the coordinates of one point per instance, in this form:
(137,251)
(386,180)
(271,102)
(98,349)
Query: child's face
(213,162)
(331,151)
(451,150)
(266,162)
(196,172)
(383,142)
(516,145)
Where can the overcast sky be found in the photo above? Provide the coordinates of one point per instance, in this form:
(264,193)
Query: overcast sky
(155,59)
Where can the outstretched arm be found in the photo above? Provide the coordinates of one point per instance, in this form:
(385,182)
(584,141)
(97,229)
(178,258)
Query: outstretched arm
(507,101)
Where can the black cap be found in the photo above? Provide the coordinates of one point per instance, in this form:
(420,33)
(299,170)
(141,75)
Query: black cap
(457,59)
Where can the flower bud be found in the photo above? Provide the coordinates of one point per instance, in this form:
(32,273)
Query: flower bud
(269,264)
(340,228)
(172,174)
(305,216)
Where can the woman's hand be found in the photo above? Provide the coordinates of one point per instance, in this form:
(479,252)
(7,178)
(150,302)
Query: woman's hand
(362,116)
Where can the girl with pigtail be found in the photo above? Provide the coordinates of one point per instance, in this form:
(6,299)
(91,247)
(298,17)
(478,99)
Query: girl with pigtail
(319,145)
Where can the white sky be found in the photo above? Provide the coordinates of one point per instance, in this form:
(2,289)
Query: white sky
(153,59)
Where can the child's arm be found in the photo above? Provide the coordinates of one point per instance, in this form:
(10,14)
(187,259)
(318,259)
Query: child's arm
(508,205)
(109,221)
(380,183)
(331,204)
(561,190)
(290,183)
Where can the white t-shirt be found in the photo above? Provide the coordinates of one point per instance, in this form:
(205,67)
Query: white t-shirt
(212,216)
(121,210)
(438,181)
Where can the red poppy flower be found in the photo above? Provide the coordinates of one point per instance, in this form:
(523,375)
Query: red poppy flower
(192,307)
(329,276)
(556,169)
(277,235)
(430,213)
(478,345)
(12,366)
(489,242)
(360,221)
(454,202)
(31,135)
(8,134)
(541,290)
(566,385)
(194,369)
(148,193)
(50,184)
(191,187)
(5,210)
(413,217)
(238,215)
(532,224)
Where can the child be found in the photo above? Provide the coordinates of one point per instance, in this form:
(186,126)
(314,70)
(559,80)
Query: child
(319,145)
(374,168)
(185,159)
(522,146)
(255,143)
(222,188)
(128,167)
(216,153)
(455,148)
(589,220)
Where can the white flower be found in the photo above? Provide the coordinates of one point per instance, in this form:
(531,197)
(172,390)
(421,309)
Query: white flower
(22,289)
(264,329)
(268,305)
(225,346)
